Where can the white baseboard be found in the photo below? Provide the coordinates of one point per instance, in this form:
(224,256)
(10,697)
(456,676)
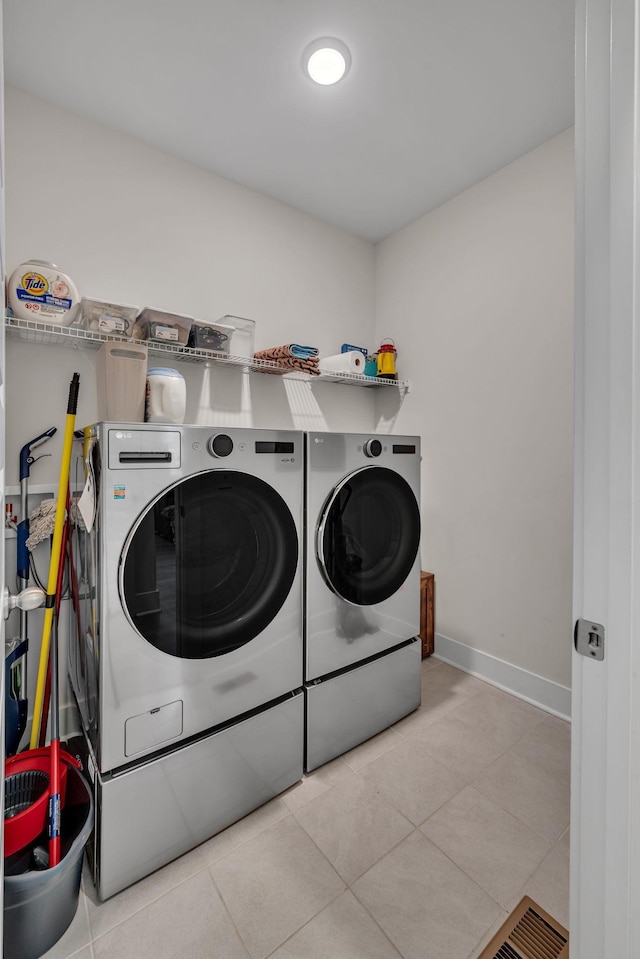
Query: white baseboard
(541,692)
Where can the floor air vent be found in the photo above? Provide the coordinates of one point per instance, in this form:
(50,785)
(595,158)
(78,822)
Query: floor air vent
(528,933)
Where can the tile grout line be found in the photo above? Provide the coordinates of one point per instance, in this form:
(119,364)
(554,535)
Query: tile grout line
(486,938)
(461,868)
(311,918)
(371,916)
(146,904)
(415,827)
(306,923)
(228,912)
(517,817)
(500,754)
(463,871)
(249,838)
(498,803)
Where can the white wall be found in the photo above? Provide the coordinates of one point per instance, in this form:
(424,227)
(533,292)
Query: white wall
(136,225)
(479,294)
(133,224)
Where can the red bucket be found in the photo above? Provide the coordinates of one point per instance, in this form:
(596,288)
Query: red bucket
(26,794)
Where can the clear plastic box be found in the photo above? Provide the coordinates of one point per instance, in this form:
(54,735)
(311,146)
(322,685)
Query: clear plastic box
(102,316)
(242,342)
(164,327)
(211,336)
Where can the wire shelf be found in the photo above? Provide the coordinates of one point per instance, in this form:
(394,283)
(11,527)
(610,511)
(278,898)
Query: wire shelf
(47,334)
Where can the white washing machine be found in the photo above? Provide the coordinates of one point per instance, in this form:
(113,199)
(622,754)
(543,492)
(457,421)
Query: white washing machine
(362,605)
(186,657)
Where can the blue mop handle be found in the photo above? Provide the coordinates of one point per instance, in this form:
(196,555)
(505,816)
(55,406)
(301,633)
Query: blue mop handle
(26,462)
(22,551)
(26,459)
(15,710)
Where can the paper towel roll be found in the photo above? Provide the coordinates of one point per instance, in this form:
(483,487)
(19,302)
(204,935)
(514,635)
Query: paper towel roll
(350,362)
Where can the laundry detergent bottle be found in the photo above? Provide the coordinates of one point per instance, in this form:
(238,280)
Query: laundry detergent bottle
(166,396)
(40,291)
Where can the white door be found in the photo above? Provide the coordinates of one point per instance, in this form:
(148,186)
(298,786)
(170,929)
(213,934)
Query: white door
(605,814)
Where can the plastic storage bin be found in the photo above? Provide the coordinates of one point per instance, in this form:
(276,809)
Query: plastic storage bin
(211,336)
(242,342)
(39,906)
(164,327)
(121,370)
(102,316)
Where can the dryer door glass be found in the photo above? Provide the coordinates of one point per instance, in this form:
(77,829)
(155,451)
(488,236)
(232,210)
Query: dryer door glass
(368,536)
(209,564)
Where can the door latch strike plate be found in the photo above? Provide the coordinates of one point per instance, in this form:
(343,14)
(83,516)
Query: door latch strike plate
(589,639)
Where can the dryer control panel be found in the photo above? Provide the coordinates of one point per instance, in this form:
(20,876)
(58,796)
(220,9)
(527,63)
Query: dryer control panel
(372,448)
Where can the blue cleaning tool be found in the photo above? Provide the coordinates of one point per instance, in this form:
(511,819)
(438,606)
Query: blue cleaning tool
(15,708)
(16,704)
(27,459)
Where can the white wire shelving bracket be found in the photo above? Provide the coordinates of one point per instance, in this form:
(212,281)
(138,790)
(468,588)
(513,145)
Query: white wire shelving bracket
(46,334)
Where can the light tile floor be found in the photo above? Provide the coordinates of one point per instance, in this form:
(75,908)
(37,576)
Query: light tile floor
(417,844)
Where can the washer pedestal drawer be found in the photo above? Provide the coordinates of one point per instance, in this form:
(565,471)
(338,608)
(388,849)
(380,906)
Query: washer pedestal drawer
(155,812)
(346,709)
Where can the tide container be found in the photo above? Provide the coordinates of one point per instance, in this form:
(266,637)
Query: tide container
(39,291)
(121,372)
(166,399)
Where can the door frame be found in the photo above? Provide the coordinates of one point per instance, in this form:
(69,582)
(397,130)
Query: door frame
(2,479)
(605,774)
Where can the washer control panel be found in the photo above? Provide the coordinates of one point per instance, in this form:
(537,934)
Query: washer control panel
(143,449)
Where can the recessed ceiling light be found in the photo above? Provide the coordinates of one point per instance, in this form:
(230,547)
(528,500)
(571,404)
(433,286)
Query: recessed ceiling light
(326,60)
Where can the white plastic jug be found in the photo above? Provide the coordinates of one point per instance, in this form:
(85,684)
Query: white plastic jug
(166,400)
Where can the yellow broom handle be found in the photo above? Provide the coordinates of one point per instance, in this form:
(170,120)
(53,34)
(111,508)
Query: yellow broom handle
(63,485)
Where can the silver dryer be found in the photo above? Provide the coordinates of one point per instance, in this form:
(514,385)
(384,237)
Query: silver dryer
(362,607)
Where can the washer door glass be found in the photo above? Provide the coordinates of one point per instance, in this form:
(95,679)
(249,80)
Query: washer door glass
(368,536)
(209,564)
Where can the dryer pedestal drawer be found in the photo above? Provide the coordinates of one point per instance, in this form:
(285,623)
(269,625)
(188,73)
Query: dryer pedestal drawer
(154,813)
(349,708)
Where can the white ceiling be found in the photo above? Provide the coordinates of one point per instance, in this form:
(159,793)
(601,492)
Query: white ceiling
(441,93)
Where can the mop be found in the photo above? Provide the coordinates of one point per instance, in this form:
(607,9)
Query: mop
(66,533)
(16,659)
(63,485)
(56,557)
